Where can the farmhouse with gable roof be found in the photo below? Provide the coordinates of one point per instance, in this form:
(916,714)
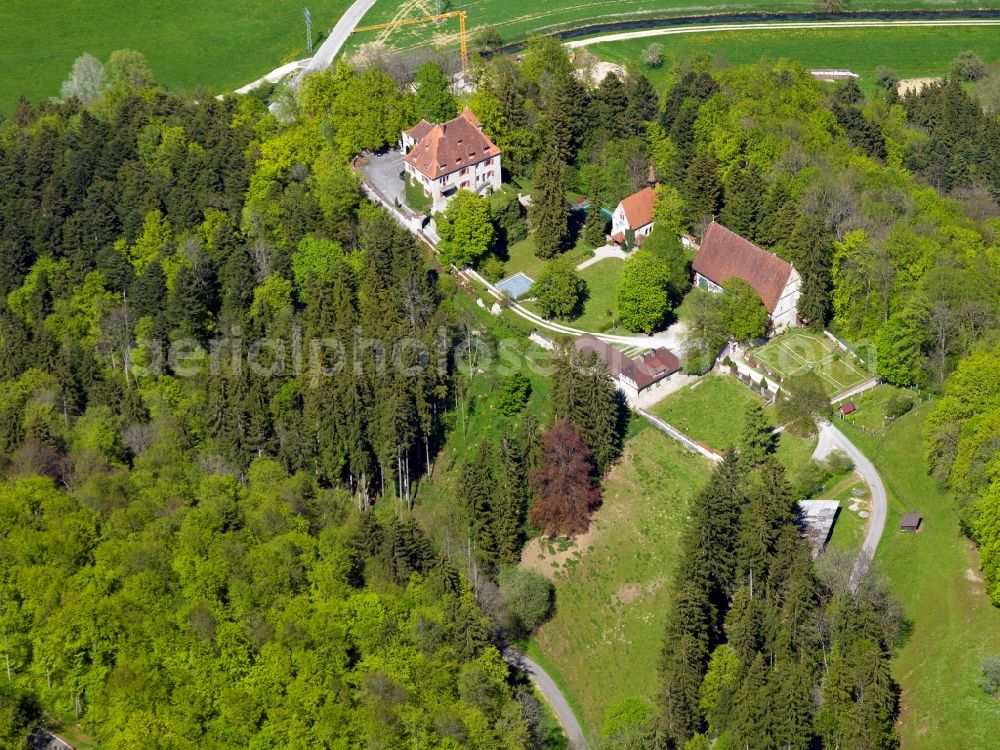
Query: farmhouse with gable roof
(452,156)
(724,254)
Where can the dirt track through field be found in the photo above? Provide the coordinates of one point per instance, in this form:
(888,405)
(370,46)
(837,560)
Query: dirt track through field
(778,26)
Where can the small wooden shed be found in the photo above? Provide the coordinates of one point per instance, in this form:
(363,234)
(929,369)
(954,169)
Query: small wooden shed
(848,408)
(910,522)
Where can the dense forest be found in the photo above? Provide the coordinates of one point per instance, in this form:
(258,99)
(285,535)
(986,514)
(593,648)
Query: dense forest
(224,376)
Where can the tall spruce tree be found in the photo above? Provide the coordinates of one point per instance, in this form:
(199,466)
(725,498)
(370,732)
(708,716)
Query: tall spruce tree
(757,441)
(549,213)
(810,247)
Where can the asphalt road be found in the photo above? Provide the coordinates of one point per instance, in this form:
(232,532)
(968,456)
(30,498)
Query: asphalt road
(330,47)
(830,439)
(552,694)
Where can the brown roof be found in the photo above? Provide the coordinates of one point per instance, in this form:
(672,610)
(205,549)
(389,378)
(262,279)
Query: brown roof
(452,145)
(724,254)
(639,207)
(613,358)
(419,130)
(910,521)
(651,367)
(848,408)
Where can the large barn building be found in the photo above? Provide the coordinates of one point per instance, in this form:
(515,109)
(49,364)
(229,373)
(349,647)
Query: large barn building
(724,255)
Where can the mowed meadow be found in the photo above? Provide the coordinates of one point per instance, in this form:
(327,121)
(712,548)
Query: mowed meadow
(912,52)
(220,45)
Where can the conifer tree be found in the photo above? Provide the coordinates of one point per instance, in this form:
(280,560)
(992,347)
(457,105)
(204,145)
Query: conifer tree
(758,439)
(702,188)
(594,228)
(809,246)
(548,213)
(744,199)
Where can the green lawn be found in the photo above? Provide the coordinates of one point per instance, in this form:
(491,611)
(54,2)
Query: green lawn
(935,575)
(600,312)
(521,257)
(221,45)
(710,410)
(800,351)
(849,530)
(612,596)
(911,52)
(871,414)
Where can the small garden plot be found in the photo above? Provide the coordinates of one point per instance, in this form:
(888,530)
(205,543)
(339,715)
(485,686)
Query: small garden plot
(852,520)
(798,352)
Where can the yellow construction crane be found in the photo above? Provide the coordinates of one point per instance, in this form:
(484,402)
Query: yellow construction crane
(463,47)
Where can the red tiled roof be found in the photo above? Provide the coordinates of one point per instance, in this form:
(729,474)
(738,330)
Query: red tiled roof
(450,146)
(419,130)
(639,207)
(848,408)
(652,367)
(724,254)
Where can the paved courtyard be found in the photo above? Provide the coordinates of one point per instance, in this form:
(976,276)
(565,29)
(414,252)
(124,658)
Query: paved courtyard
(385,173)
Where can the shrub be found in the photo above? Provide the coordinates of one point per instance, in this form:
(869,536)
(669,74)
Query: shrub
(492,269)
(990,681)
(513,393)
(898,405)
(886,78)
(837,463)
(527,598)
(968,66)
(653,55)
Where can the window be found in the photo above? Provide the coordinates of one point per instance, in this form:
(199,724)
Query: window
(463,171)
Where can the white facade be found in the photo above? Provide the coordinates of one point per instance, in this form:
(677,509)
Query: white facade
(482,177)
(785,313)
(619,224)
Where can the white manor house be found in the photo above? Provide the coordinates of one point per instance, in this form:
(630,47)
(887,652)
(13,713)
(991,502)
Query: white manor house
(452,156)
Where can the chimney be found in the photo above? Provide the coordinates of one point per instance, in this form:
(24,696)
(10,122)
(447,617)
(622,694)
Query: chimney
(651,177)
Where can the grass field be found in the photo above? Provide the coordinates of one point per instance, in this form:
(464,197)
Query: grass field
(612,596)
(600,313)
(208,43)
(871,413)
(521,257)
(800,351)
(710,410)
(849,530)
(911,52)
(518,19)
(935,575)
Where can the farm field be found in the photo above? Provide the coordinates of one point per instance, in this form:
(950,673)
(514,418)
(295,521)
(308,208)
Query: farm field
(935,575)
(612,587)
(801,351)
(519,19)
(188,44)
(911,52)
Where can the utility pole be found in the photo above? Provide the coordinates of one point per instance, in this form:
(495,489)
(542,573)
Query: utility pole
(309,32)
